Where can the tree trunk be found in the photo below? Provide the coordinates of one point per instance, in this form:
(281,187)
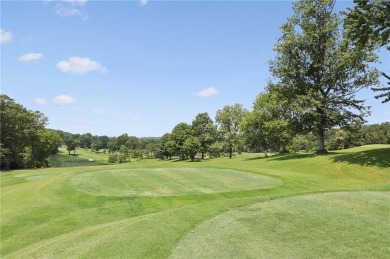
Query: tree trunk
(202,155)
(321,142)
(230,153)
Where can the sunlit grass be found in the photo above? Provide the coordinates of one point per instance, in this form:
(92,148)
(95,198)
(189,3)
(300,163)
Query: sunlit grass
(43,213)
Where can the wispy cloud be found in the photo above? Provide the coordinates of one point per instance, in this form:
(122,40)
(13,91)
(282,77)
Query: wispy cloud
(78,65)
(76,2)
(72,8)
(5,36)
(134,117)
(30,57)
(207,92)
(67,11)
(40,101)
(64,99)
(143,2)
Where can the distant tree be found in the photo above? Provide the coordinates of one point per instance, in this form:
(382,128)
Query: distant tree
(191,146)
(121,140)
(179,134)
(162,146)
(320,70)
(85,140)
(216,149)
(228,120)
(103,141)
(269,125)
(124,154)
(368,26)
(112,145)
(132,142)
(204,129)
(71,144)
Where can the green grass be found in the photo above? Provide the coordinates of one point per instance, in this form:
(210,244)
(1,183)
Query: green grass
(289,206)
(169,181)
(82,157)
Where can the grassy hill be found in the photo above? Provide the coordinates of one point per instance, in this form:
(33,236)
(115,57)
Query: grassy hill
(294,206)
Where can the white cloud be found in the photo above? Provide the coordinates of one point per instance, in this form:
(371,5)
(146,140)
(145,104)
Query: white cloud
(65,11)
(5,36)
(143,2)
(30,57)
(40,101)
(207,92)
(134,117)
(78,65)
(64,99)
(76,2)
(71,8)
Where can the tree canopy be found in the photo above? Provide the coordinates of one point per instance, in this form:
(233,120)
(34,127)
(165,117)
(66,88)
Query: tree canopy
(319,70)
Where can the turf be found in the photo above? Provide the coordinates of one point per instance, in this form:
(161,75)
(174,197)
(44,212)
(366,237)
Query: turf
(83,211)
(169,181)
(351,224)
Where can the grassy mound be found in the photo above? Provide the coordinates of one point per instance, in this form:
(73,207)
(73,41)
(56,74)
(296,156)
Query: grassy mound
(331,225)
(169,181)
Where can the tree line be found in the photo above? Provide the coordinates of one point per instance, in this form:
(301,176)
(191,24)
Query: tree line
(323,58)
(26,143)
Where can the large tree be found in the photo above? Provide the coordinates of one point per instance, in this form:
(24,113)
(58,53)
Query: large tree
(229,120)
(204,129)
(368,26)
(24,141)
(319,70)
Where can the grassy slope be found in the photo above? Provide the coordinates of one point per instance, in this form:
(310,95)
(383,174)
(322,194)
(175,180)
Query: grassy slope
(42,214)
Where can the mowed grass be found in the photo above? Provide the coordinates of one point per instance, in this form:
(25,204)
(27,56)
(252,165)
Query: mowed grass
(82,157)
(169,181)
(324,206)
(331,225)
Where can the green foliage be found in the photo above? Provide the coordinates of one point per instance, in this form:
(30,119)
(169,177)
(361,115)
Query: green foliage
(160,209)
(216,149)
(179,134)
(113,158)
(204,129)
(269,124)
(320,70)
(191,146)
(367,25)
(229,120)
(71,144)
(24,139)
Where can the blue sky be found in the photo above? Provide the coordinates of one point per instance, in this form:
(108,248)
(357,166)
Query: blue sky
(141,67)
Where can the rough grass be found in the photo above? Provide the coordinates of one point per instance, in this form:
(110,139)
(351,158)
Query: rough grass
(43,215)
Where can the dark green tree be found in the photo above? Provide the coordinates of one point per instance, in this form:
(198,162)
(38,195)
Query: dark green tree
(71,144)
(229,120)
(368,26)
(19,130)
(320,70)
(204,129)
(191,146)
(179,134)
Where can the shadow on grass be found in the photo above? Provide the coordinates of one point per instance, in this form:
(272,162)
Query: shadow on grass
(376,157)
(282,157)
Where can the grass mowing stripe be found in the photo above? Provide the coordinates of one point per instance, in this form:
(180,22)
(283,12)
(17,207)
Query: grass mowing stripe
(169,181)
(29,217)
